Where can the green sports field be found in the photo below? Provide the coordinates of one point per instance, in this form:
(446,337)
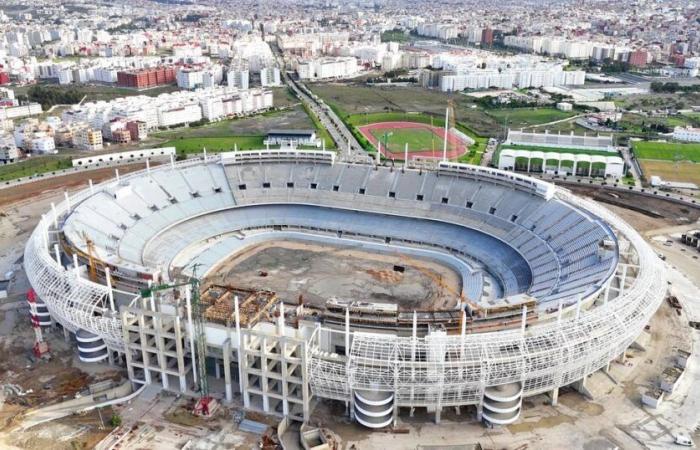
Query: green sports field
(418,139)
(667,151)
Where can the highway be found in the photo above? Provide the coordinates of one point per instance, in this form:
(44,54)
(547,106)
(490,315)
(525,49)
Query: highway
(349,149)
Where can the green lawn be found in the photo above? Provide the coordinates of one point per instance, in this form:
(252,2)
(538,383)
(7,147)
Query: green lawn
(417,139)
(667,151)
(525,117)
(215,144)
(32,166)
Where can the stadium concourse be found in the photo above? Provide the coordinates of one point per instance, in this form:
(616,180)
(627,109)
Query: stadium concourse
(553,287)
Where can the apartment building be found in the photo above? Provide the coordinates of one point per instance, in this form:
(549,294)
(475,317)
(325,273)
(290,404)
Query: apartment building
(88,139)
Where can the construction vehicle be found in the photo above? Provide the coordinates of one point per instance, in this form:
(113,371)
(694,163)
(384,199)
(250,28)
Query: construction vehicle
(206,405)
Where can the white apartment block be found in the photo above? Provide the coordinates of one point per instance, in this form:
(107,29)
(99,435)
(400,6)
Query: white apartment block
(41,143)
(238,78)
(177,115)
(270,76)
(8,153)
(170,109)
(437,30)
(14,112)
(687,134)
(328,67)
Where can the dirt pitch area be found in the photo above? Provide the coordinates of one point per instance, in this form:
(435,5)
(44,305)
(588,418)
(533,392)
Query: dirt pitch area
(319,272)
(684,171)
(422,139)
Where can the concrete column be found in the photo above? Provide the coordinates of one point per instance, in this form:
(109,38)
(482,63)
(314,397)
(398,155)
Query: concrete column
(263,380)
(479,412)
(622,358)
(217,370)
(590,169)
(528,165)
(66,334)
(554,395)
(227,369)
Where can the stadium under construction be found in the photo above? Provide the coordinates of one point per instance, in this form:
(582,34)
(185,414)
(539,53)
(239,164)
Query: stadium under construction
(552,287)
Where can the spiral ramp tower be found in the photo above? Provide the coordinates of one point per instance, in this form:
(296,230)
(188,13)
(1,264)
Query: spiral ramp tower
(502,404)
(374,409)
(91,347)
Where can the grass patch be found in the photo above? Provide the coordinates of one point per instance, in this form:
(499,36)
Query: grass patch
(358,99)
(526,117)
(394,36)
(666,151)
(33,166)
(188,145)
(418,139)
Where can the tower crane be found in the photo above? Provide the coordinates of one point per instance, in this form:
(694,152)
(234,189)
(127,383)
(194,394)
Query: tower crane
(205,405)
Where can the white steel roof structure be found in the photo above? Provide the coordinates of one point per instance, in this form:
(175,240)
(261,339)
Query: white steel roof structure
(569,247)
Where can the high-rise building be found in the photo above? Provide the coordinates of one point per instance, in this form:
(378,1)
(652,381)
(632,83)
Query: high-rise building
(487,37)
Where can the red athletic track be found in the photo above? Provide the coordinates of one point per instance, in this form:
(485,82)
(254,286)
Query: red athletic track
(453,140)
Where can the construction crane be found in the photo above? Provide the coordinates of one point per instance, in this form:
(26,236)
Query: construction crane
(205,405)
(90,245)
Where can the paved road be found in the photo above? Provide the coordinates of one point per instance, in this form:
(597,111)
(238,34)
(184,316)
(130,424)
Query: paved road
(349,149)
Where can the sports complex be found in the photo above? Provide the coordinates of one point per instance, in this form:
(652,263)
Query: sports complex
(535,288)
(419,139)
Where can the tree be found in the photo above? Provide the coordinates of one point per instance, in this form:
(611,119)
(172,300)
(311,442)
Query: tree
(115,420)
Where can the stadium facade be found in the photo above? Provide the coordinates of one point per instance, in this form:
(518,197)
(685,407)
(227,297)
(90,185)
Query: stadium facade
(554,287)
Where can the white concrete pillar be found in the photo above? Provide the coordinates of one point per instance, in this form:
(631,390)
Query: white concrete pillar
(447,125)
(148,166)
(75,265)
(116,174)
(110,293)
(55,215)
(405,156)
(528,165)
(57,253)
(92,187)
(227,369)
(65,194)
(554,395)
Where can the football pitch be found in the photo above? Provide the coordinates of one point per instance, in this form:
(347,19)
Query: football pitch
(418,139)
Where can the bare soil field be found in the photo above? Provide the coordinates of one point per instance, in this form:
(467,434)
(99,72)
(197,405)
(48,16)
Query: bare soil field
(318,273)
